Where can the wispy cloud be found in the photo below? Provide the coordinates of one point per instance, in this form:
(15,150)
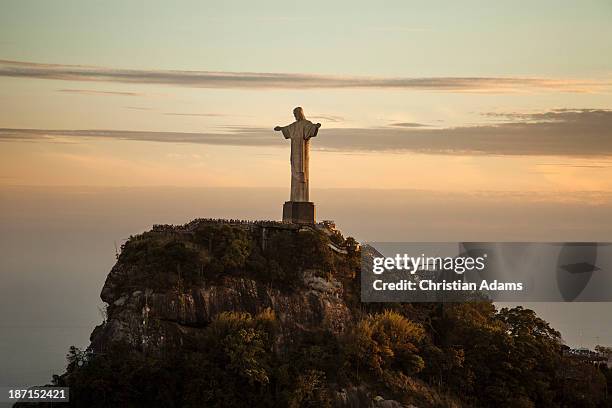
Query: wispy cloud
(572,133)
(255,80)
(596,165)
(408,124)
(234,136)
(327,118)
(139,108)
(96,92)
(555,115)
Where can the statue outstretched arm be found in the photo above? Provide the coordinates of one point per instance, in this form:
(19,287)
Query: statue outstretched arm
(312,130)
(285,129)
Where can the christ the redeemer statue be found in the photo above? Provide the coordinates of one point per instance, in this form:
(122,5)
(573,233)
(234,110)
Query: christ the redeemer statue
(299,209)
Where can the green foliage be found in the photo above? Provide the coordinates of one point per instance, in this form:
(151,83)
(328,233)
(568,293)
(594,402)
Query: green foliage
(239,358)
(581,385)
(161,259)
(229,246)
(158,261)
(120,377)
(509,357)
(287,254)
(310,391)
(231,364)
(306,368)
(385,344)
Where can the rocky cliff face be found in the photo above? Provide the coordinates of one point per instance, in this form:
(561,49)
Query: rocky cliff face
(153,318)
(149,314)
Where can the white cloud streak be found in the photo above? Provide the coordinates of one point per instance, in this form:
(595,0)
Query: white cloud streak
(570,133)
(255,80)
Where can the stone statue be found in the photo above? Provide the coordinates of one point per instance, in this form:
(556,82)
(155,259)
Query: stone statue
(300,133)
(299,209)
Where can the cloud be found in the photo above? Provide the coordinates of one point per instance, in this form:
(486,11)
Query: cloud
(591,165)
(235,137)
(408,124)
(563,132)
(254,80)
(327,118)
(96,92)
(139,108)
(555,115)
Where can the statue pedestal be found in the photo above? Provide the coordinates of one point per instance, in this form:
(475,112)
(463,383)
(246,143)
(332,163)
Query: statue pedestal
(300,212)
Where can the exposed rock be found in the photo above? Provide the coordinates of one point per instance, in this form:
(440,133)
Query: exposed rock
(170,311)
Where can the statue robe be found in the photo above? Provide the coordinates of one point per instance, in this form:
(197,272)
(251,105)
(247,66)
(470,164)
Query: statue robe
(300,133)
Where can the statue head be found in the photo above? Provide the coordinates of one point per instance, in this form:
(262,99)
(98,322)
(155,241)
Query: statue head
(299,113)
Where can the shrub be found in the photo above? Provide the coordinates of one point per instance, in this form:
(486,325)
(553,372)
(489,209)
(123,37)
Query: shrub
(385,342)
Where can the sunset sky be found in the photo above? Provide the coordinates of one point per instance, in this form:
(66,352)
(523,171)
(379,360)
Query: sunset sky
(436,96)
(441,121)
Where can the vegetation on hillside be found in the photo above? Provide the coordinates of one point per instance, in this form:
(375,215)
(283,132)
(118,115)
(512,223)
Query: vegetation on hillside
(211,251)
(426,354)
(468,354)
